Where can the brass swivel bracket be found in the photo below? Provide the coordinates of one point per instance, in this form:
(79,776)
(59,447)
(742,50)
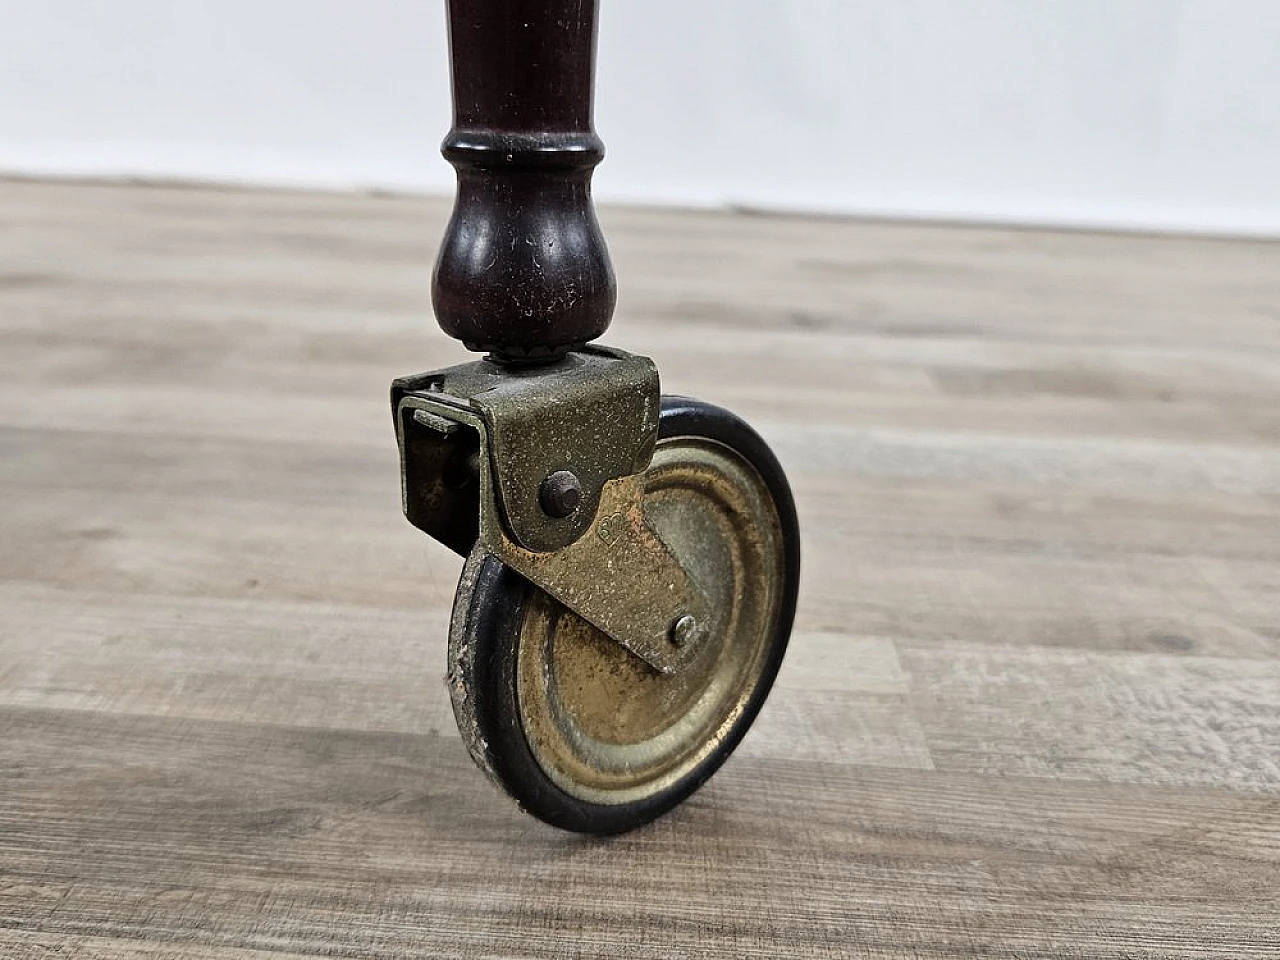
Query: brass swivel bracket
(543,467)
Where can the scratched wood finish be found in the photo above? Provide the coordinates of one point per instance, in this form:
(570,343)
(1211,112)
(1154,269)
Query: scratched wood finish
(1032,708)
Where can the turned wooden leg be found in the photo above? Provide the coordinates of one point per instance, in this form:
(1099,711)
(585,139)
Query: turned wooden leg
(524,272)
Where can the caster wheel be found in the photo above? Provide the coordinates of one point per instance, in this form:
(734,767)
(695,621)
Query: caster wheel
(580,732)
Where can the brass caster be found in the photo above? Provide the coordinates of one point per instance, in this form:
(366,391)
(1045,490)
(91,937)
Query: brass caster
(577,728)
(632,560)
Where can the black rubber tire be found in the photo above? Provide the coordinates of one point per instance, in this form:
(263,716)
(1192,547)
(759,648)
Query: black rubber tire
(496,611)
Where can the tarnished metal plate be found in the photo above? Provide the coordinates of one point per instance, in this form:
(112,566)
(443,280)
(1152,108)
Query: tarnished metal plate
(609,567)
(594,414)
(621,578)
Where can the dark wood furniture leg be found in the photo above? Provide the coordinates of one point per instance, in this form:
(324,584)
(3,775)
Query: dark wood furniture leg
(523,272)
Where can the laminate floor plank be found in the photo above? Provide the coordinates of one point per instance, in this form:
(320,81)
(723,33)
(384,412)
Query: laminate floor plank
(232,834)
(1031,708)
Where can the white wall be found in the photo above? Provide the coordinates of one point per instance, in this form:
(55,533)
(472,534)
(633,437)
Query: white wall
(1145,113)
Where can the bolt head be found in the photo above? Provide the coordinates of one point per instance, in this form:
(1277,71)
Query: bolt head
(560,494)
(684,630)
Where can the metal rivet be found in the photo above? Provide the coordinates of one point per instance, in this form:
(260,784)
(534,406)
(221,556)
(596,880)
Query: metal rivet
(560,494)
(683,630)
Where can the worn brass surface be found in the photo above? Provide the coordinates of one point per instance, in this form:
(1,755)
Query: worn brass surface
(595,413)
(621,576)
(601,725)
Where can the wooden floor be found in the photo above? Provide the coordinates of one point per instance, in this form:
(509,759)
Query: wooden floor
(1032,708)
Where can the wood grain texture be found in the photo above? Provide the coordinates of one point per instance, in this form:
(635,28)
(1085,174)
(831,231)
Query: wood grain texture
(1032,706)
